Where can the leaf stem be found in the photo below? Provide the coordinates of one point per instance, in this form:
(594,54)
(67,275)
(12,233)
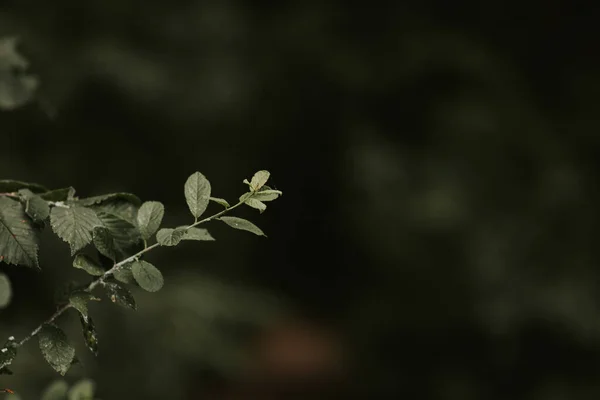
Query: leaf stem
(115,267)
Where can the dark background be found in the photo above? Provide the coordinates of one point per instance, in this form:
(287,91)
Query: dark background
(437,236)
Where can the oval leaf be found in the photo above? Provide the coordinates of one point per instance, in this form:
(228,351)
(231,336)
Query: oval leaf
(267,195)
(120,295)
(55,348)
(197,193)
(5,291)
(197,234)
(85,263)
(259,179)
(149,218)
(89,333)
(170,237)
(79,301)
(242,224)
(104,242)
(123,274)
(147,276)
(221,202)
(259,205)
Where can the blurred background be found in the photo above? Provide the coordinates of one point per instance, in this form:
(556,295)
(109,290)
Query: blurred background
(439,163)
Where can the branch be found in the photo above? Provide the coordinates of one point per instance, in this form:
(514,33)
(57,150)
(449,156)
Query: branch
(102,279)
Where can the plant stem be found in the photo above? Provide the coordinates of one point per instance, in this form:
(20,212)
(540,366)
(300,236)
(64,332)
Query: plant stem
(114,268)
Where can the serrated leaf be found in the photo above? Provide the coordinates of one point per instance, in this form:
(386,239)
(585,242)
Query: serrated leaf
(120,295)
(5,290)
(56,391)
(89,333)
(123,274)
(267,195)
(123,232)
(62,194)
(9,186)
(197,193)
(259,179)
(220,201)
(149,218)
(74,225)
(170,237)
(122,209)
(147,276)
(90,266)
(80,299)
(127,197)
(200,234)
(242,224)
(104,242)
(18,243)
(259,205)
(82,390)
(55,348)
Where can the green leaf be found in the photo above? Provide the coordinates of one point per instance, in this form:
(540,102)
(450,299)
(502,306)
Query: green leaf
(89,333)
(147,276)
(149,218)
(90,266)
(126,197)
(74,225)
(9,186)
(36,207)
(80,299)
(197,234)
(122,209)
(104,242)
(267,195)
(82,390)
(120,295)
(63,194)
(17,87)
(56,391)
(18,242)
(220,201)
(5,290)
(123,274)
(197,193)
(124,233)
(55,348)
(259,205)
(64,291)
(259,179)
(170,237)
(242,224)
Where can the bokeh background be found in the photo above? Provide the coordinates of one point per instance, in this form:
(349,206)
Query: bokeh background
(439,162)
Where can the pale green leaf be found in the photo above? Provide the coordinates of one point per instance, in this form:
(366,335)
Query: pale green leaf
(147,276)
(200,234)
(104,242)
(36,207)
(82,390)
(56,391)
(18,242)
(5,290)
(197,193)
(170,237)
(123,274)
(89,333)
(74,225)
(55,348)
(259,205)
(220,201)
(259,179)
(85,263)
(149,218)
(267,195)
(120,295)
(242,224)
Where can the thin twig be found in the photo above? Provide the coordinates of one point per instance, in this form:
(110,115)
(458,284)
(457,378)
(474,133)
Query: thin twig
(112,270)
